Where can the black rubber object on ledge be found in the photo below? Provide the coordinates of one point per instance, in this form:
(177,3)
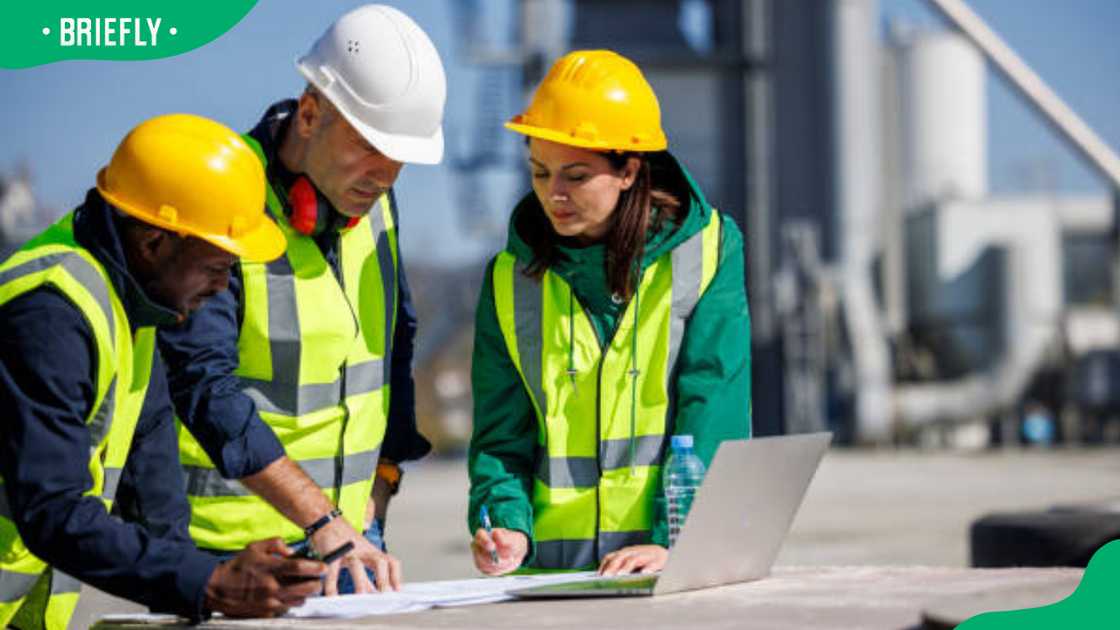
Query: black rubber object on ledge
(1061,537)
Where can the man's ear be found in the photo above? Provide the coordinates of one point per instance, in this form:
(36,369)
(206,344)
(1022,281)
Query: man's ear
(308,114)
(153,245)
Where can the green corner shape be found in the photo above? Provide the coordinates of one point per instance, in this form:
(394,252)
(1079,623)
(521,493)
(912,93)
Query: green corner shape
(1094,604)
(37,33)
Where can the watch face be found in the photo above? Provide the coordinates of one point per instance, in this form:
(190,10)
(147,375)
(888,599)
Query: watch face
(391,474)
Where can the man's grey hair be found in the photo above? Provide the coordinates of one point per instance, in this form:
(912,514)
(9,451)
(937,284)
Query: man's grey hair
(330,112)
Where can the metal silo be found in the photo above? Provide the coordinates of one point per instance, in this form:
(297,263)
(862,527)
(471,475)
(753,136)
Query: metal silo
(944,119)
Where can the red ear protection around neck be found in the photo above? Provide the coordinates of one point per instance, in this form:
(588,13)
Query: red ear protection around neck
(304,202)
(311,211)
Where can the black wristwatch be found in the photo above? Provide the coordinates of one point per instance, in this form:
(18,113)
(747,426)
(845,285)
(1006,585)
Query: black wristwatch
(310,530)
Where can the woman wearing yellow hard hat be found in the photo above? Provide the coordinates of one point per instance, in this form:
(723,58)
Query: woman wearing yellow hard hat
(615,319)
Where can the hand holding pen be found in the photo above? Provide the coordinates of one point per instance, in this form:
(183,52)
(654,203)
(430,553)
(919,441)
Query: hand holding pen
(484,516)
(497,550)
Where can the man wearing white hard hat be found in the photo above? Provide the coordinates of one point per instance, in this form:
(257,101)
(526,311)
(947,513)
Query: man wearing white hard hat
(296,384)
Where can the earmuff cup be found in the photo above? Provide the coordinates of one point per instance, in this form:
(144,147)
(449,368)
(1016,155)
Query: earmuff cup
(311,212)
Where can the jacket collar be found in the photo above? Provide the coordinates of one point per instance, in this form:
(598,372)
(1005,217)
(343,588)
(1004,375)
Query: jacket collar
(269,133)
(96,229)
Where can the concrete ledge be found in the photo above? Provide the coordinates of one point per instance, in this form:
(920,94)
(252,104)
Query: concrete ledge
(794,598)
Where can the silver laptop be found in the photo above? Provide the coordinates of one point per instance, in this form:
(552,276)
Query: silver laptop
(735,528)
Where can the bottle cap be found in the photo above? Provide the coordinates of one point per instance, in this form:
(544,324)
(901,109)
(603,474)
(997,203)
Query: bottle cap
(681,441)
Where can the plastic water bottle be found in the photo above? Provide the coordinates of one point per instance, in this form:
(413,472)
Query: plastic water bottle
(683,474)
(1038,427)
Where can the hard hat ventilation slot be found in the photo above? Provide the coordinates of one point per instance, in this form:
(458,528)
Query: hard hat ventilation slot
(237,227)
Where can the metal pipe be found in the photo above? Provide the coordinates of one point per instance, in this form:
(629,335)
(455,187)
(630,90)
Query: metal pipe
(859,206)
(760,158)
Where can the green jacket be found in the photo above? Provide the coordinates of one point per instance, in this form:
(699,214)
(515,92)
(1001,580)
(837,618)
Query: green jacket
(713,383)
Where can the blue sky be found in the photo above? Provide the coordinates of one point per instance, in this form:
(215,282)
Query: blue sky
(63,120)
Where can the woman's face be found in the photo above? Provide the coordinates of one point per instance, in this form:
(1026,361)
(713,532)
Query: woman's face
(578,188)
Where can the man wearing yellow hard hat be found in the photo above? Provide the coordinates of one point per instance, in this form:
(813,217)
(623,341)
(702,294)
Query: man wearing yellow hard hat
(296,383)
(85,397)
(613,324)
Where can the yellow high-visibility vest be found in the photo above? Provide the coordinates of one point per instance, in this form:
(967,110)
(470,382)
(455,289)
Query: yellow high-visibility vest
(601,423)
(315,358)
(29,589)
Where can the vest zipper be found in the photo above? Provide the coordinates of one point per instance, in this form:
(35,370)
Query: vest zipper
(598,455)
(603,349)
(338,458)
(598,402)
(633,373)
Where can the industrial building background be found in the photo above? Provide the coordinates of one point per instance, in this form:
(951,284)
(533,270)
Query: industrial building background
(898,297)
(894,298)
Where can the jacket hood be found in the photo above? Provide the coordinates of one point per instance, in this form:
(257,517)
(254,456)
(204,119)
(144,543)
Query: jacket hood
(270,129)
(96,229)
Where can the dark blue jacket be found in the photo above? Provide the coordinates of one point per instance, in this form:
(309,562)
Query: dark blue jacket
(48,364)
(202,355)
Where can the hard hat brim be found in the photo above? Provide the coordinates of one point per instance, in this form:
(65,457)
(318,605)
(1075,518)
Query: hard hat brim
(406,149)
(262,244)
(657,144)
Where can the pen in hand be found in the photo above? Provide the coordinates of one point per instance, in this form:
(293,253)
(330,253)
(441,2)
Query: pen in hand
(484,516)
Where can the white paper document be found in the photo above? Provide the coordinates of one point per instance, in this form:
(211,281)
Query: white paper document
(417,596)
(348,606)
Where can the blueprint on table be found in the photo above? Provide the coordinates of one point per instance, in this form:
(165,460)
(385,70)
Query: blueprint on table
(417,596)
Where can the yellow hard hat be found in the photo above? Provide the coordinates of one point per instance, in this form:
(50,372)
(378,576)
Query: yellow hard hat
(196,177)
(595,99)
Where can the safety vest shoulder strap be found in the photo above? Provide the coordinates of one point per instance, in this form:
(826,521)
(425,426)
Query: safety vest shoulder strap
(29,590)
(55,259)
(517,302)
(694,265)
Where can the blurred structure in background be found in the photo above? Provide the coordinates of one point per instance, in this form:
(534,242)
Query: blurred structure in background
(894,298)
(445,301)
(21,215)
(1010,309)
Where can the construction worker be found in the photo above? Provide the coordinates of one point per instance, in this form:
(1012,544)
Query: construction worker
(295,384)
(81,384)
(615,317)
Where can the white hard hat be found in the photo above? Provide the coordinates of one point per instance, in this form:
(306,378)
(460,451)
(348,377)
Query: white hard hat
(382,72)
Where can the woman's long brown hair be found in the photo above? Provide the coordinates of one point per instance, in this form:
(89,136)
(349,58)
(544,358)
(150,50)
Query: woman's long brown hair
(631,221)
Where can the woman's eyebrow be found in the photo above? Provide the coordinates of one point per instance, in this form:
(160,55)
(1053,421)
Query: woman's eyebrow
(563,168)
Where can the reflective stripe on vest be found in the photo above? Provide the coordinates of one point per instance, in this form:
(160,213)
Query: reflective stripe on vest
(314,356)
(596,474)
(122,374)
(207,482)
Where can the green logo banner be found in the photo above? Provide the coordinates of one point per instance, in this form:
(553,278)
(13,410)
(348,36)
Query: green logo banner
(1092,605)
(35,33)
